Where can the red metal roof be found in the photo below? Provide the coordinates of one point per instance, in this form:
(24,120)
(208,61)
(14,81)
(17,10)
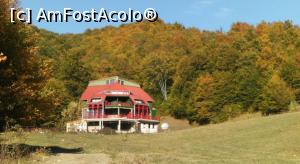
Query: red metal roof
(99,91)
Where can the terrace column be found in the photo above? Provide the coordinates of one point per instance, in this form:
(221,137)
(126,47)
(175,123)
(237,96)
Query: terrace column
(147,109)
(101,124)
(102,113)
(139,108)
(143,111)
(133,111)
(119,126)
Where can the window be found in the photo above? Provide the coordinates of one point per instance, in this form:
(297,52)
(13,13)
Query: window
(138,101)
(112,81)
(96,100)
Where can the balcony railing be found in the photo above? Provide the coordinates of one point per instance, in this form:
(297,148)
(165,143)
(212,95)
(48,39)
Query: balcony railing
(93,111)
(90,115)
(118,104)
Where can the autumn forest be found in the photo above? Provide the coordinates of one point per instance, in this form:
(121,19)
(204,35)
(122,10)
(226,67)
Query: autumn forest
(203,76)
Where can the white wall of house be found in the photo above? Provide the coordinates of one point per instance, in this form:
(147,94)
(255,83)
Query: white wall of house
(148,128)
(76,126)
(81,126)
(94,129)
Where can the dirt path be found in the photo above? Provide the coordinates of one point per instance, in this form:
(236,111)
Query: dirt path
(65,158)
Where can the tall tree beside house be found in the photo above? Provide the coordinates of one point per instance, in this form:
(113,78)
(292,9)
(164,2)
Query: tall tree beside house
(157,71)
(22,72)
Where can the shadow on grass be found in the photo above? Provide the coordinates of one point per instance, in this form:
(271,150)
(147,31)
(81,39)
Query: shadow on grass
(21,150)
(58,149)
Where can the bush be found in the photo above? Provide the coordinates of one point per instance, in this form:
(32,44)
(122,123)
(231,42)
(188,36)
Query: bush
(275,97)
(71,113)
(10,149)
(232,110)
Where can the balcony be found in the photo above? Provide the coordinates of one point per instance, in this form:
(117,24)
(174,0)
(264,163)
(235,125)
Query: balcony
(118,104)
(117,109)
(96,115)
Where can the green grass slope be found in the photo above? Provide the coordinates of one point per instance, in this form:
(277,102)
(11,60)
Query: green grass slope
(274,139)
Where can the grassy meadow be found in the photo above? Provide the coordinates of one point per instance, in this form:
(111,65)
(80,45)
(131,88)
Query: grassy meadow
(273,139)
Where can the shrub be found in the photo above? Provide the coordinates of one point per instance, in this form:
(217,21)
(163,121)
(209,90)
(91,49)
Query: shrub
(275,97)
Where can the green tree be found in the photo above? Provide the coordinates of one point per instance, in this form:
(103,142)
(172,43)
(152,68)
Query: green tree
(275,96)
(74,75)
(203,100)
(71,113)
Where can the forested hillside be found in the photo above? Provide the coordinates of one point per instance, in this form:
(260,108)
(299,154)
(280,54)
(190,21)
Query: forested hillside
(208,76)
(204,76)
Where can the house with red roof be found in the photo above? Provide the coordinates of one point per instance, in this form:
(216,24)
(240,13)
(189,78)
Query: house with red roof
(118,104)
